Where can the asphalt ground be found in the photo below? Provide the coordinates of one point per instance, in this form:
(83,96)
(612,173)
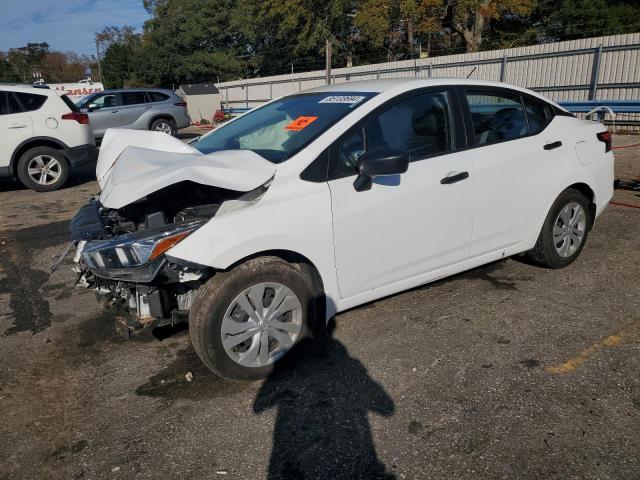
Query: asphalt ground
(507,371)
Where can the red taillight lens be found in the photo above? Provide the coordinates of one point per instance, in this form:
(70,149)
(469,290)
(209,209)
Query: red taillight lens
(606,138)
(181,104)
(81,118)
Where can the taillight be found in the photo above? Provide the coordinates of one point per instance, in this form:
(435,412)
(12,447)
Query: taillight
(81,118)
(181,104)
(605,137)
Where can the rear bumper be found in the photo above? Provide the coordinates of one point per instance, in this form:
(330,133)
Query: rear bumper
(183,121)
(81,155)
(5,172)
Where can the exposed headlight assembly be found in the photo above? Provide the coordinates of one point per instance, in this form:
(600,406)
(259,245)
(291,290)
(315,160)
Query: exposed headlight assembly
(135,257)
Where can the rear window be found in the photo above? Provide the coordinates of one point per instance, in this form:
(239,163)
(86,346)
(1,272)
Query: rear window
(157,96)
(69,103)
(132,98)
(31,101)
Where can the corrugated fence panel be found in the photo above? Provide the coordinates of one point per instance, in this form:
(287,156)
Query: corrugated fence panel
(562,71)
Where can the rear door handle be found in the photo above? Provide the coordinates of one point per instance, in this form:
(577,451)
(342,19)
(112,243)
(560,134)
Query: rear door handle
(454,177)
(18,125)
(553,145)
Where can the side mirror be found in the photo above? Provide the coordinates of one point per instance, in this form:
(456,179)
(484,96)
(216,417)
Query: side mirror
(379,162)
(92,107)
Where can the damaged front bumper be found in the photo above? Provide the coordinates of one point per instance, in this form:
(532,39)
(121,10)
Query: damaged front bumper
(131,273)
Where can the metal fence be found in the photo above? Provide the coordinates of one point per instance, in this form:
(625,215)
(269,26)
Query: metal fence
(587,69)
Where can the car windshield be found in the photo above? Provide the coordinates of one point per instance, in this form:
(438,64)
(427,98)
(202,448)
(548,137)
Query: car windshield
(282,128)
(84,101)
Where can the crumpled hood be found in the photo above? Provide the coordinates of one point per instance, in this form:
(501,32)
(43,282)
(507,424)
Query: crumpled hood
(134,163)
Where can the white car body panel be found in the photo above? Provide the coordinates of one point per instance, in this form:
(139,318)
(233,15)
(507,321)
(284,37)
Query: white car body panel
(405,225)
(15,129)
(398,235)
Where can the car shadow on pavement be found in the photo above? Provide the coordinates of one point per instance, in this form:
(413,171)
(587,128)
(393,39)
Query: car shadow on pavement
(322,400)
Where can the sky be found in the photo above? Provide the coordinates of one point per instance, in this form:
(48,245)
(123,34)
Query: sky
(66,25)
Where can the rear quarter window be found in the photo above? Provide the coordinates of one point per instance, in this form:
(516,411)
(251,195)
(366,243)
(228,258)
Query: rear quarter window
(30,101)
(538,114)
(157,96)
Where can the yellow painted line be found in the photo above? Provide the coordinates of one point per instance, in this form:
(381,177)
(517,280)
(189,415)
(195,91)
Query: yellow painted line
(611,341)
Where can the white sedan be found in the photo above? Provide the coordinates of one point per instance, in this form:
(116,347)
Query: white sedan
(330,198)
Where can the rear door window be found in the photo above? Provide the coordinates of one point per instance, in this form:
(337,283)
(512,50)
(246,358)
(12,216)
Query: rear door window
(497,116)
(30,101)
(12,102)
(4,106)
(132,98)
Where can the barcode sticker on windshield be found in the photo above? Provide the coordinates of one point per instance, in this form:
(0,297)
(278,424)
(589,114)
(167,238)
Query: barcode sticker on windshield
(349,99)
(300,123)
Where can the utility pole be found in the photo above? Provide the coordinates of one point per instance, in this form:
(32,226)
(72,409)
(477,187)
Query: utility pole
(328,61)
(98,59)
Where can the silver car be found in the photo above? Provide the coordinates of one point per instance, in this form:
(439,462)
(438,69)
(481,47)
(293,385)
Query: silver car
(139,109)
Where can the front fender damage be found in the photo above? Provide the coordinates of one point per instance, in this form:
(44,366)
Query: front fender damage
(150,200)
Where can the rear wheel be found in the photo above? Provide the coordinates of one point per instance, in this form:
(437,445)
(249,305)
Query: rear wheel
(564,232)
(244,321)
(164,125)
(43,169)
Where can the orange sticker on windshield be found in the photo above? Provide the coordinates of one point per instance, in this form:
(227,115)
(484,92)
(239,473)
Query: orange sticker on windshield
(300,123)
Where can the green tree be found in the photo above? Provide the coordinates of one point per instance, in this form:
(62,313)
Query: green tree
(570,19)
(470,19)
(189,41)
(119,46)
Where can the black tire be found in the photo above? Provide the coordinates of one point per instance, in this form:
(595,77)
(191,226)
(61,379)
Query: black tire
(45,152)
(215,296)
(163,121)
(544,253)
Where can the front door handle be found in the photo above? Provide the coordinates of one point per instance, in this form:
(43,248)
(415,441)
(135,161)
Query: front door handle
(454,177)
(553,145)
(114,111)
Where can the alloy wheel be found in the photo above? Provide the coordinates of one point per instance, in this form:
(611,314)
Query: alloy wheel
(164,127)
(44,169)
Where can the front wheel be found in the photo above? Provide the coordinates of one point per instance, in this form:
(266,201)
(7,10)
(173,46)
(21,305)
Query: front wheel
(564,232)
(244,321)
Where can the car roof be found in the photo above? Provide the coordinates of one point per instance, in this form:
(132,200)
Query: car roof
(383,85)
(407,84)
(26,89)
(150,89)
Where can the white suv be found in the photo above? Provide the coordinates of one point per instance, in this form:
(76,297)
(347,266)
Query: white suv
(44,136)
